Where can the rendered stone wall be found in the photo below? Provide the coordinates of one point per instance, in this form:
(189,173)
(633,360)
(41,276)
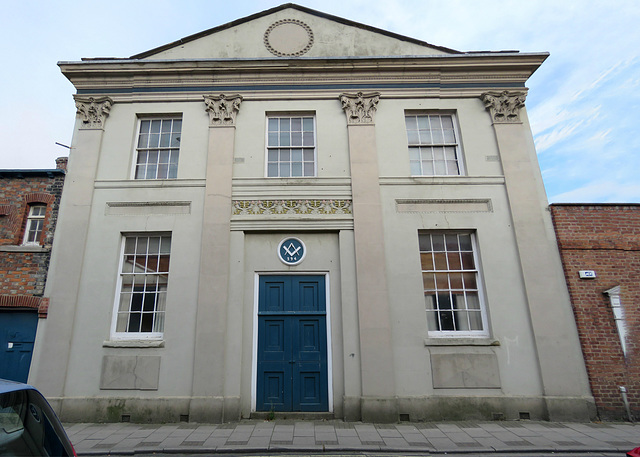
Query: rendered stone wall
(605,239)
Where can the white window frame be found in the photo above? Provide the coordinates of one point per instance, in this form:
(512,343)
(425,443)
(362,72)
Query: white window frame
(419,147)
(139,335)
(476,271)
(618,316)
(172,150)
(270,147)
(38,221)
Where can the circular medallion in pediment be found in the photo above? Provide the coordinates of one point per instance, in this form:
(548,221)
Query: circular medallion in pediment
(288,38)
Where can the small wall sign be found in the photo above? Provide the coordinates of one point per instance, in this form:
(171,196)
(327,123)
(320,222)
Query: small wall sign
(291,251)
(587,274)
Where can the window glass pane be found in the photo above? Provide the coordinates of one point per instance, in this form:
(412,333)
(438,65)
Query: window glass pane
(432,321)
(285,155)
(307,124)
(467,261)
(438,137)
(285,170)
(296,155)
(451,242)
(429,281)
(308,155)
(424,242)
(449,137)
(155,125)
(411,122)
(164,140)
(284,139)
(455,281)
(273,139)
(475,320)
(307,139)
(285,124)
(472,300)
(438,242)
(447,122)
(296,138)
(296,169)
(461,321)
(452,168)
(465,243)
(426,259)
(416,168)
(166,126)
(273,124)
(309,169)
(296,124)
(454,261)
(440,168)
(272,170)
(143,140)
(440,261)
(145,126)
(177,125)
(412,136)
(442,281)
(423,122)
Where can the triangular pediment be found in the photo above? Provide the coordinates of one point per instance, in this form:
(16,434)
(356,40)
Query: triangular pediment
(292,31)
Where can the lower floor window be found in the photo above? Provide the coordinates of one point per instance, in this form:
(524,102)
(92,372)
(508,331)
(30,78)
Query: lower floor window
(451,283)
(143,282)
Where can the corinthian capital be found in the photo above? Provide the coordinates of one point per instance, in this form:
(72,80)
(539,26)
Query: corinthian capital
(222,109)
(504,106)
(94,111)
(360,108)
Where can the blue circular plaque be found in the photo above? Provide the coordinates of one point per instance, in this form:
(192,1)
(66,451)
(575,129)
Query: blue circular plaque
(291,251)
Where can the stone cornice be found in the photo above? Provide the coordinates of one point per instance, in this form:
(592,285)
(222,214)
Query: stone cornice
(111,73)
(222,109)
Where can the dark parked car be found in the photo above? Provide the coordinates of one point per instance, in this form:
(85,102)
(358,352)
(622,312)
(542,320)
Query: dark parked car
(28,425)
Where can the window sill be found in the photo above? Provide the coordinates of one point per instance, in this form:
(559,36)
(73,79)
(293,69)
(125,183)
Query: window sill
(133,344)
(25,248)
(461,342)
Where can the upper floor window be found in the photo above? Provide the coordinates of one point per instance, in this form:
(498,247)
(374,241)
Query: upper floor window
(158,148)
(291,146)
(618,316)
(35,224)
(144,274)
(433,145)
(451,282)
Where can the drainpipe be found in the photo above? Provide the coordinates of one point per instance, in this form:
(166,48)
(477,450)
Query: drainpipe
(625,400)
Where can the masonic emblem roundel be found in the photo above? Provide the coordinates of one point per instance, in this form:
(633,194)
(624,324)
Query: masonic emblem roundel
(291,251)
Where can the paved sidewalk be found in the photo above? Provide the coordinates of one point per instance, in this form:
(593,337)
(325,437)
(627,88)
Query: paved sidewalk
(335,436)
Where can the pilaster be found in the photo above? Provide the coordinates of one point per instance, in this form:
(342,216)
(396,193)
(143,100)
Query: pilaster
(55,334)
(560,359)
(376,355)
(213,287)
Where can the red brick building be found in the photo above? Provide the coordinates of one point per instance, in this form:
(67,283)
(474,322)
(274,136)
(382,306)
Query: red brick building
(600,249)
(29,202)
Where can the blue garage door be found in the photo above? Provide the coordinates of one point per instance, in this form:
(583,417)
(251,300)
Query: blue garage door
(17,335)
(292,344)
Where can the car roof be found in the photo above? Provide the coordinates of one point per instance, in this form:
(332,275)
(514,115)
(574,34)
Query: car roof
(7,386)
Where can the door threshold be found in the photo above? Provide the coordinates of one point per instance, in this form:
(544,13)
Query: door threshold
(297,415)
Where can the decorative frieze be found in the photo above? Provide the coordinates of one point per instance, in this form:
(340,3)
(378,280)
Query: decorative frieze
(360,108)
(504,106)
(222,109)
(303,207)
(93,111)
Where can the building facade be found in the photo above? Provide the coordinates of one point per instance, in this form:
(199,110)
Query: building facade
(29,202)
(600,250)
(297,213)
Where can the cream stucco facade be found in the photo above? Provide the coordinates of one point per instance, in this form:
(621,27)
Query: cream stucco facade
(360,212)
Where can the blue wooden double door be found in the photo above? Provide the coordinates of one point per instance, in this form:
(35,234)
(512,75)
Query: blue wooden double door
(292,344)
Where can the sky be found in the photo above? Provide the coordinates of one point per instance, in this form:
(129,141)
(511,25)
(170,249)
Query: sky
(583,103)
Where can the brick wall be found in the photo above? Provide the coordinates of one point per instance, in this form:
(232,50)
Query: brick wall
(23,271)
(606,239)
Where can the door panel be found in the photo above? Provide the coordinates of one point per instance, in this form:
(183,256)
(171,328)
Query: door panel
(292,344)
(17,335)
